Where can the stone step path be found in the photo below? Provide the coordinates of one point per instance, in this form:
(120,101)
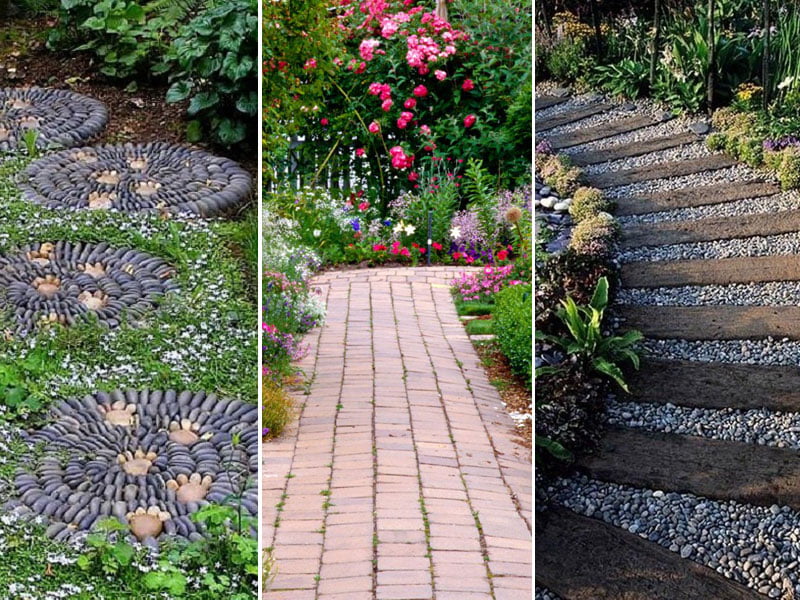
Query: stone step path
(580,557)
(401,478)
(713,322)
(716,271)
(699,384)
(572,115)
(706,195)
(719,469)
(633,149)
(712,228)
(639,570)
(677,168)
(599,132)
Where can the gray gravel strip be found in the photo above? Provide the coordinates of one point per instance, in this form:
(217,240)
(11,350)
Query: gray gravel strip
(751,206)
(751,352)
(753,545)
(664,129)
(764,427)
(545,594)
(773,293)
(688,152)
(737,173)
(787,243)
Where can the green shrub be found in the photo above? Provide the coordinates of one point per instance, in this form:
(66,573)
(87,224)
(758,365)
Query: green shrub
(732,146)
(513,326)
(716,141)
(595,235)
(568,61)
(723,118)
(276,408)
(773,160)
(751,151)
(588,202)
(789,171)
(212,63)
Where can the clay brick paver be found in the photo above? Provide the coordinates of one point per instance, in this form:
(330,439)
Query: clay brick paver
(401,477)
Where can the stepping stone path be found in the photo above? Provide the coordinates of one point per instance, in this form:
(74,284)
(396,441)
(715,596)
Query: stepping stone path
(63,282)
(123,453)
(401,478)
(148,458)
(60,117)
(137,177)
(605,546)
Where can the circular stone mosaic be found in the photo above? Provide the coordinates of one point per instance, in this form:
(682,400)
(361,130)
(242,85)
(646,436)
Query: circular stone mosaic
(148,458)
(61,118)
(137,177)
(62,282)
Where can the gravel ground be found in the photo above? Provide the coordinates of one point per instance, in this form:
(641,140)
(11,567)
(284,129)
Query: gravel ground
(773,293)
(737,173)
(645,133)
(687,152)
(787,243)
(545,594)
(756,546)
(751,206)
(573,102)
(751,352)
(764,427)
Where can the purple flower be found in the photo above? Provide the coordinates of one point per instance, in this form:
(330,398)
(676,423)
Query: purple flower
(355,225)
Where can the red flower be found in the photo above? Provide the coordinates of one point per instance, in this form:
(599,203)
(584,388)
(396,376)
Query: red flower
(360,152)
(422,250)
(363,206)
(378,248)
(420,91)
(404,252)
(324,122)
(413,176)
(456,255)
(310,63)
(436,246)
(410,103)
(502,255)
(468,85)
(469,121)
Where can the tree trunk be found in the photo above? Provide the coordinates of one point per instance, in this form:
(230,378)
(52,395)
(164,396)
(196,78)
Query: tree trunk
(712,57)
(656,42)
(441,9)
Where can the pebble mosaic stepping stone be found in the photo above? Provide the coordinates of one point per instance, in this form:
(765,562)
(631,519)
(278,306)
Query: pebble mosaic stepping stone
(63,282)
(61,118)
(114,455)
(137,177)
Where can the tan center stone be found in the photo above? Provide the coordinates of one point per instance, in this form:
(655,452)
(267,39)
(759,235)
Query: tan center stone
(144,526)
(4,134)
(48,290)
(28,123)
(92,302)
(119,417)
(191,492)
(41,261)
(183,436)
(137,163)
(20,103)
(147,188)
(87,157)
(99,200)
(96,270)
(108,178)
(137,466)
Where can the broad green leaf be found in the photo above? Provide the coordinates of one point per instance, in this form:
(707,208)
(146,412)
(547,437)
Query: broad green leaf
(202,101)
(612,370)
(600,297)
(178,91)
(553,447)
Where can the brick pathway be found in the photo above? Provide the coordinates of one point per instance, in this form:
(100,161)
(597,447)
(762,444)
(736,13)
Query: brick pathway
(401,479)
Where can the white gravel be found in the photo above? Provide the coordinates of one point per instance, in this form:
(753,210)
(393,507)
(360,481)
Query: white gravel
(768,351)
(731,174)
(773,293)
(762,426)
(663,129)
(787,243)
(754,545)
(687,152)
(545,594)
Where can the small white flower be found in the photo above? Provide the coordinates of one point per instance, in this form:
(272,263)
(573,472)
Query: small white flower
(399,227)
(317,233)
(410,229)
(455,233)
(786,82)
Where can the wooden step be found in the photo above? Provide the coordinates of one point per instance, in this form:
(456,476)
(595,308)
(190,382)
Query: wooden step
(631,149)
(693,196)
(598,132)
(713,228)
(543,102)
(580,558)
(721,322)
(717,271)
(699,384)
(570,116)
(677,168)
(717,469)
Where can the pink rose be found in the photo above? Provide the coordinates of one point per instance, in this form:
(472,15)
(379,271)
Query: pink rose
(311,63)
(360,152)
(468,85)
(374,127)
(410,103)
(469,121)
(386,105)
(425,129)
(324,122)
(420,91)
(440,75)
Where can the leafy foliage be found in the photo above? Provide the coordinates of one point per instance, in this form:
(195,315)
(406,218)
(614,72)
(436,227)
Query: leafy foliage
(212,63)
(587,340)
(513,327)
